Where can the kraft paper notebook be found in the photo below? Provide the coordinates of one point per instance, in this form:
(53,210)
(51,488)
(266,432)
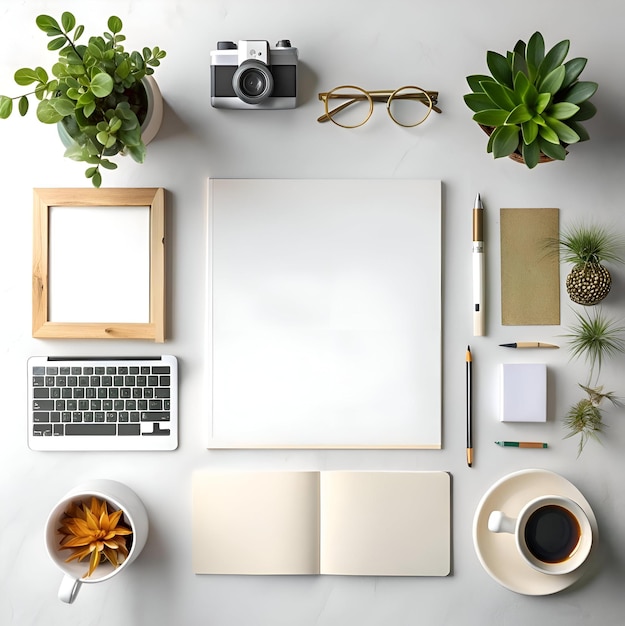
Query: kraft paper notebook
(340,522)
(530,276)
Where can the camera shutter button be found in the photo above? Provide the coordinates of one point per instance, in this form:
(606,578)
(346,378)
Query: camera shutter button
(226,45)
(284,43)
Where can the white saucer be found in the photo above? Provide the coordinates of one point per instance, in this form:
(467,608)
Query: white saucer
(497,552)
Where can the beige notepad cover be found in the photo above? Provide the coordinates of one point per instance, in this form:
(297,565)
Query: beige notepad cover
(341,523)
(530,275)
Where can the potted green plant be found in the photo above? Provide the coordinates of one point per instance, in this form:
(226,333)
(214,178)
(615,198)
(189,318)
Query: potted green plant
(587,247)
(533,103)
(98,93)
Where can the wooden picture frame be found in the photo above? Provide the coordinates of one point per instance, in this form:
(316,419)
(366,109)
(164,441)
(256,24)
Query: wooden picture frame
(146,203)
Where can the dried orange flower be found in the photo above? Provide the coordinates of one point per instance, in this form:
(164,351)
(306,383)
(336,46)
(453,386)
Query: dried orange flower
(91,531)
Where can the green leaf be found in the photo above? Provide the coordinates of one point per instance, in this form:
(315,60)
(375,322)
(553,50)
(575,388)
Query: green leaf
(101,85)
(500,68)
(535,53)
(89,109)
(6,107)
(531,154)
(505,141)
(573,69)
(130,137)
(548,135)
(109,165)
(542,102)
(530,131)
(552,150)
(47,114)
(553,58)
(90,171)
(478,101)
(26,76)
(491,117)
(123,69)
(580,130)
(553,81)
(68,21)
(48,25)
(57,43)
(475,82)
(23,105)
(586,111)
(96,179)
(519,115)
(502,96)
(519,63)
(565,133)
(115,24)
(80,29)
(563,110)
(63,106)
(581,91)
(525,90)
(137,153)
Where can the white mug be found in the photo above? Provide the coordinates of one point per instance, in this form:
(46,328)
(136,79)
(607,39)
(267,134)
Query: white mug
(119,496)
(552,533)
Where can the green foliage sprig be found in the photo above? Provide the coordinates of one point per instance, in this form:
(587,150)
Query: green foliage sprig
(91,89)
(533,100)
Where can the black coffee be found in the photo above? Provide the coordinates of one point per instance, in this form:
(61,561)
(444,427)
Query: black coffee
(552,533)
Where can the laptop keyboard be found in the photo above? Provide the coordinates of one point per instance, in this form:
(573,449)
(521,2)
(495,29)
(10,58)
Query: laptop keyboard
(103,404)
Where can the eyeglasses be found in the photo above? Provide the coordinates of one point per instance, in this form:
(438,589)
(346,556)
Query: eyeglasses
(404,105)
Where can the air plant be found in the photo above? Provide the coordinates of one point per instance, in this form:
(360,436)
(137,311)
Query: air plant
(585,418)
(596,338)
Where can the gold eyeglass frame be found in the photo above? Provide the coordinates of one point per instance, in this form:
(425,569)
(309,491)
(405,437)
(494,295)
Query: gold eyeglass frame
(428,98)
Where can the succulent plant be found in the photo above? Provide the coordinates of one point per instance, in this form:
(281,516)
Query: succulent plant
(94,90)
(533,102)
(90,531)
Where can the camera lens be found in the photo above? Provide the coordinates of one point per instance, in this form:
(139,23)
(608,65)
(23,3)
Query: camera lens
(252,82)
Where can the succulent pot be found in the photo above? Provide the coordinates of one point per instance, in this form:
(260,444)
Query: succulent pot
(150,115)
(516,156)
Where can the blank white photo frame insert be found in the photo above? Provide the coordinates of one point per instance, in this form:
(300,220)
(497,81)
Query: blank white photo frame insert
(99,260)
(325,313)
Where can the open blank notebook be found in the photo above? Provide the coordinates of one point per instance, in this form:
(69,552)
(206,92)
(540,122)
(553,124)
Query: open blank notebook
(352,523)
(325,313)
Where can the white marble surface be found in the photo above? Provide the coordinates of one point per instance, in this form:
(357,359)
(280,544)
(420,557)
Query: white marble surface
(377,45)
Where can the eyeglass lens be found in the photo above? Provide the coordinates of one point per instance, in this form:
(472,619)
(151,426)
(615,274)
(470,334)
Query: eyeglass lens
(409,106)
(349,106)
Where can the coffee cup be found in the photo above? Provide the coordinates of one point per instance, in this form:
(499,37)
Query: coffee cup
(118,496)
(552,533)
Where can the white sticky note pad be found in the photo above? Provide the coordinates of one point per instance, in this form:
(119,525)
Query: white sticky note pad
(523,392)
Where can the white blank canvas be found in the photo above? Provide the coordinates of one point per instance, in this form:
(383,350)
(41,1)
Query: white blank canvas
(325,313)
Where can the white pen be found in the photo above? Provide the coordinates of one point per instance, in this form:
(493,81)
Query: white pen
(478,268)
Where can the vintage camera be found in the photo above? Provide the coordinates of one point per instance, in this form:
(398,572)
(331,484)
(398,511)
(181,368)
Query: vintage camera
(251,75)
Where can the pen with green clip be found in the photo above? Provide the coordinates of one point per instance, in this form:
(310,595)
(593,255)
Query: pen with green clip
(521,444)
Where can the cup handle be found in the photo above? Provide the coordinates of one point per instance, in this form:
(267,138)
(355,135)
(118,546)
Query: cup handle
(499,522)
(69,588)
